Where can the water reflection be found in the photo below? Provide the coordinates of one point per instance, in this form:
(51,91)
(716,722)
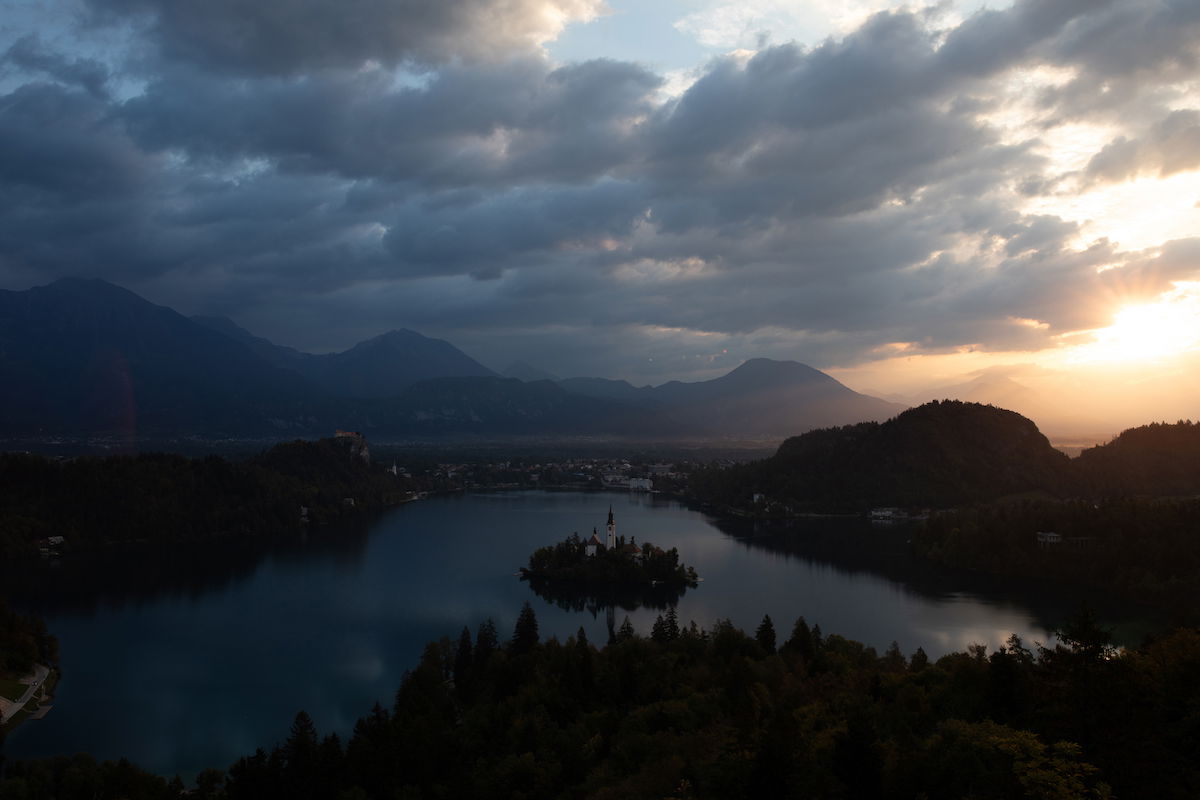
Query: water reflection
(853,546)
(82,584)
(209,652)
(594,598)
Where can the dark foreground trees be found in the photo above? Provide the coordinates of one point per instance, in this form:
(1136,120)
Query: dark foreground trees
(695,713)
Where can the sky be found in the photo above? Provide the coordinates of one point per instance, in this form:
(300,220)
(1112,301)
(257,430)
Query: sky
(910,197)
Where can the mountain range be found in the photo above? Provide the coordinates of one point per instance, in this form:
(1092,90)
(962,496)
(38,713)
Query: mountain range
(88,358)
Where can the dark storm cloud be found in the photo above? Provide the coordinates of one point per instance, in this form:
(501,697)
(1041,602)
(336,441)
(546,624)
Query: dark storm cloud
(512,123)
(282,37)
(80,197)
(513,229)
(836,198)
(73,187)
(29,54)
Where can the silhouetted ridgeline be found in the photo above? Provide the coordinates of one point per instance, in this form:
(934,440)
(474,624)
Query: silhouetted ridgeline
(948,454)
(940,454)
(1156,460)
(92,502)
(85,359)
(721,714)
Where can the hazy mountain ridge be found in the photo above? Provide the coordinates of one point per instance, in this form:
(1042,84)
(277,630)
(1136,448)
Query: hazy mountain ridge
(524,371)
(90,358)
(761,398)
(380,367)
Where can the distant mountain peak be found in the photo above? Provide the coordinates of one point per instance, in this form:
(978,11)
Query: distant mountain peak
(399,336)
(772,368)
(96,288)
(524,371)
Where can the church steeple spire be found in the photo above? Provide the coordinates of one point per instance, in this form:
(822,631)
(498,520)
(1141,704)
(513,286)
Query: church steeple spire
(612,530)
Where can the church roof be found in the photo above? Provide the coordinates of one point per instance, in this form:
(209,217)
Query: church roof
(595,539)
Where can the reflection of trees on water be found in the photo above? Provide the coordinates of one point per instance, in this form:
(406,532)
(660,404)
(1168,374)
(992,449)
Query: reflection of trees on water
(857,547)
(593,598)
(604,597)
(135,575)
(848,545)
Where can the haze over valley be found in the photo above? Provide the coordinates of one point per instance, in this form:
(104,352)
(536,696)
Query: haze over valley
(599,399)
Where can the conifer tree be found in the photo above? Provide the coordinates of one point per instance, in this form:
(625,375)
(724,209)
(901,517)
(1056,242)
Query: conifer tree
(658,632)
(765,635)
(672,620)
(801,641)
(462,657)
(486,641)
(300,757)
(525,634)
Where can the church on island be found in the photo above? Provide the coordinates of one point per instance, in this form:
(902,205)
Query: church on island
(594,543)
(611,560)
(632,549)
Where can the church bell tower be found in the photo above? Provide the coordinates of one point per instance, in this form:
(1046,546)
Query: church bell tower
(612,530)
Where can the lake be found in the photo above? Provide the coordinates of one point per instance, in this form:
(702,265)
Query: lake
(187,659)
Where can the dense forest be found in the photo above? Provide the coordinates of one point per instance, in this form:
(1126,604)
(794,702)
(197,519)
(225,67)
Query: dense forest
(1122,516)
(1156,460)
(694,713)
(24,641)
(936,455)
(947,454)
(159,498)
(1144,548)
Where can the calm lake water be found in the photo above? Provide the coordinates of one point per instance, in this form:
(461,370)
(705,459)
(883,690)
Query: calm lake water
(186,660)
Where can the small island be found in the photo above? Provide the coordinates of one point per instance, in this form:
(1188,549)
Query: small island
(609,562)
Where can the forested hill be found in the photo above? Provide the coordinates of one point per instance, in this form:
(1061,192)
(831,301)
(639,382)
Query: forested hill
(936,455)
(1157,460)
(94,502)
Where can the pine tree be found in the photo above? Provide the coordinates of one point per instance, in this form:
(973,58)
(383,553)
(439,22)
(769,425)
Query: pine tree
(486,641)
(525,634)
(626,631)
(765,635)
(462,657)
(801,642)
(300,757)
(658,632)
(672,624)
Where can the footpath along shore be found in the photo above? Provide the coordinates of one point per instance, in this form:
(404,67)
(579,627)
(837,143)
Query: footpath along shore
(10,708)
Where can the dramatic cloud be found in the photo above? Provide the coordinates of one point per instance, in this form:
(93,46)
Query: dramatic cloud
(925,181)
(1170,146)
(281,37)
